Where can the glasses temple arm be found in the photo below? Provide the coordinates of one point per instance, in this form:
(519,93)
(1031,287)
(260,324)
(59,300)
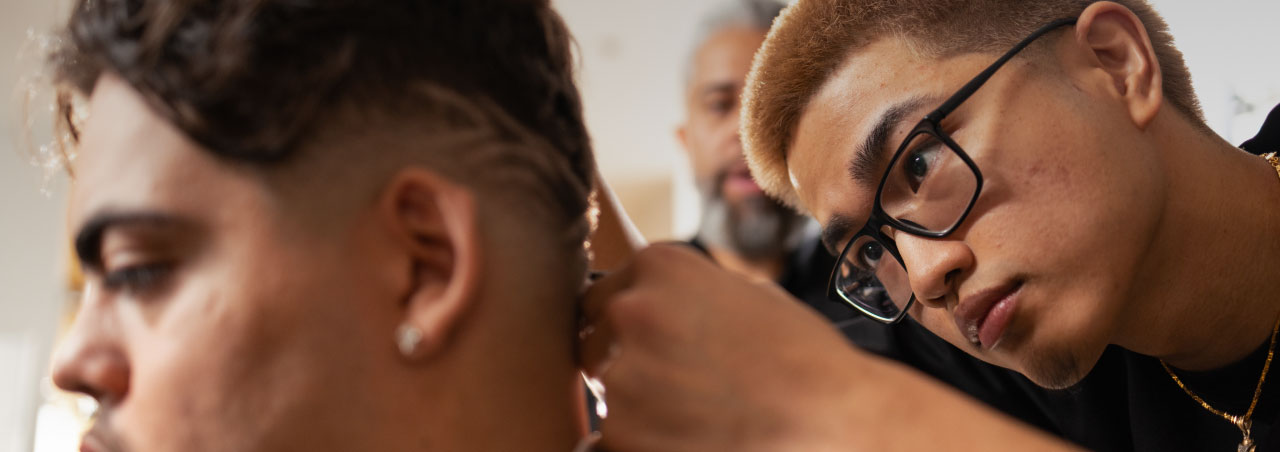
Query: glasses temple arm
(973,85)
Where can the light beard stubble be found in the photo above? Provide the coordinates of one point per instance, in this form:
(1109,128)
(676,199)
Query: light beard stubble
(1049,367)
(1055,369)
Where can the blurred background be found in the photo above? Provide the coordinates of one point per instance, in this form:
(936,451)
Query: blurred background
(632,55)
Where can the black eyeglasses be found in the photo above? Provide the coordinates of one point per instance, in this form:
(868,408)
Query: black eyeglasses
(928,189)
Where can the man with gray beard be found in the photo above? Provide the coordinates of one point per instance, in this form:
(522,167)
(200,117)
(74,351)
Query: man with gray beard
(742,229)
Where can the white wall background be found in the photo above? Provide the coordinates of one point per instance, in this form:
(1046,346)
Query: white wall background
(632,53)
(1230,46)
(632,60)
(31,247)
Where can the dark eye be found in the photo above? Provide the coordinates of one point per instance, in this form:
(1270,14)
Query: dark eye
(720,107)
(869,254)
(137,279)
(918,162)
(917,165)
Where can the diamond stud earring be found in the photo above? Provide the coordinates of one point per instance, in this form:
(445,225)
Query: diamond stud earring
(407,339)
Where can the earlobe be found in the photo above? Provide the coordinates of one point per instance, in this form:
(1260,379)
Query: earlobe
(1120,47)
(436,222)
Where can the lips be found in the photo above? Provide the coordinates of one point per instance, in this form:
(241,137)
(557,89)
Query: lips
(983,316)
(737,181)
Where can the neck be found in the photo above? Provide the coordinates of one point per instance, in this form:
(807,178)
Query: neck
(509,383)
(767,268)
(516,411)
(1207,295)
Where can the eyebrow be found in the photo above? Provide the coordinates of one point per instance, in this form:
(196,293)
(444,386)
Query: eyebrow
(865,162)
(838,227)
(88,242)
(716,87)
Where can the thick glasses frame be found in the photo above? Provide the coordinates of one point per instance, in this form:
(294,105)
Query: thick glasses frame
(929,125)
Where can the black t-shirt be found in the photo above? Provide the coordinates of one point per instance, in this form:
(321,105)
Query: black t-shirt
(1129,403)
(1268,139)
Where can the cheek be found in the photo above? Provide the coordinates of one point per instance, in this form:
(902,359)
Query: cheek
(1076,227)
(700,160)
(712,138)
(208,365)
(1070,207)
(1075,222)
(1074,196)
(243,351)
(940,322)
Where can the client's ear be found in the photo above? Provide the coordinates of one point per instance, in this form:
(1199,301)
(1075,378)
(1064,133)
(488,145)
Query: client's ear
(436,221)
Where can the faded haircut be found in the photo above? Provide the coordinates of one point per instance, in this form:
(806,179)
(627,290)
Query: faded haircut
(813,38)
(487,85)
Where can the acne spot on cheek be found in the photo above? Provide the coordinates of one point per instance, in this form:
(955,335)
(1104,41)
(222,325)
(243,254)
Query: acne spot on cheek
(1047,173)
(1036,171)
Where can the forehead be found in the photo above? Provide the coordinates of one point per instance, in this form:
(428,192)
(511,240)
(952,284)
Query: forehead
(130,158)
(841,115)
(726,55)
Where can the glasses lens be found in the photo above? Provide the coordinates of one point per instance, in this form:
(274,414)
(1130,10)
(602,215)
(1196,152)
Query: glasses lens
(872,279)
(929,185)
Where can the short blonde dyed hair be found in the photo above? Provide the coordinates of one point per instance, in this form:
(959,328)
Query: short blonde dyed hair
(812,39)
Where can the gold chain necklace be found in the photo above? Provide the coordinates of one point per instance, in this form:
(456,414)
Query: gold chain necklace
(1245,422)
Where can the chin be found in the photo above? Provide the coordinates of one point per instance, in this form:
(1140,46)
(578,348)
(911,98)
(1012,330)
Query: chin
(1054,370)
(1059,365)
(1057,344)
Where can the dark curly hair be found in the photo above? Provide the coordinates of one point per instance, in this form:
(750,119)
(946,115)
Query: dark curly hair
(252,80)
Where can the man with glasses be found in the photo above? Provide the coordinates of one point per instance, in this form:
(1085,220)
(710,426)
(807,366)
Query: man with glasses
(1032,181)
(747,232)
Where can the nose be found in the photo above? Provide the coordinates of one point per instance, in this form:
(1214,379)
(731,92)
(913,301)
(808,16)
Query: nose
(933,266)
(90,359)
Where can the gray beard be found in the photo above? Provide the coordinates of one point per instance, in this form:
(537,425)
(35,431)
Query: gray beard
(755,228)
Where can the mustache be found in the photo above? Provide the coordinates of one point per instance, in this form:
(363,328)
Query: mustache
(101,437)
(716,187)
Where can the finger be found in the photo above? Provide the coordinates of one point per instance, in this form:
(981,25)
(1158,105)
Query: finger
(596,334)
(653,261)
(642,419)
(597,347)
(594,301)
